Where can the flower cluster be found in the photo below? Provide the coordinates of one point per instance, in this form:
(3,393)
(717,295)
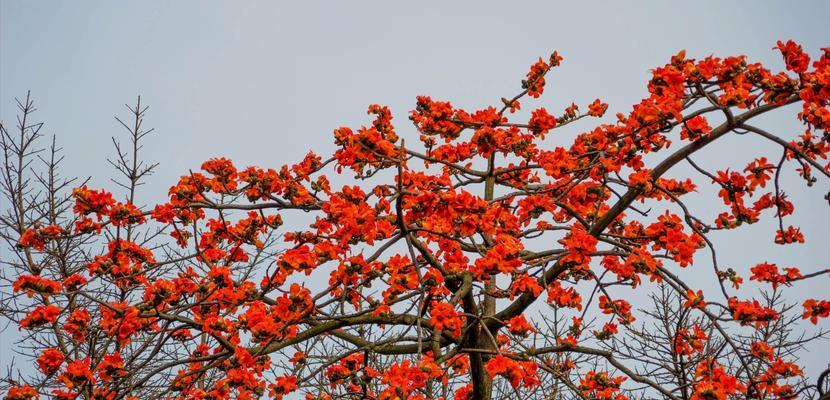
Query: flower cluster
(427,265)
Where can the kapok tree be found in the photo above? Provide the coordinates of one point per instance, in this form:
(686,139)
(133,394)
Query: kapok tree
(485,261)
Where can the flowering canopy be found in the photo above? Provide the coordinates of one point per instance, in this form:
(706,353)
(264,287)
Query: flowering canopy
(435,262)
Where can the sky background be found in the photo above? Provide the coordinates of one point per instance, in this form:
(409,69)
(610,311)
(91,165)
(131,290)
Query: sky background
(264,82)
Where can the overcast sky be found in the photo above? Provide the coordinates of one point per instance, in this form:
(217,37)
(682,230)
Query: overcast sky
(264,82)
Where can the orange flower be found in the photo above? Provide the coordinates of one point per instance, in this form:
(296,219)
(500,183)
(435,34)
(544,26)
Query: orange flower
(524,283)
(121,214)
(609,329)
(224,174)
(433,118)
(694,299)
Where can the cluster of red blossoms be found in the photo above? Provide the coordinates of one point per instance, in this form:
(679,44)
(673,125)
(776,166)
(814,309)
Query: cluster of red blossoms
(415,264)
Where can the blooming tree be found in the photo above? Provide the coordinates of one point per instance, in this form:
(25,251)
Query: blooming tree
(485,258)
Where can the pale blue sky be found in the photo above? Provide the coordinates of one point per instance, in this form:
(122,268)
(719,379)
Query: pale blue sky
(262,82)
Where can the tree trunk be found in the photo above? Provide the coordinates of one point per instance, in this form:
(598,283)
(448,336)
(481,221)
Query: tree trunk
(481,338)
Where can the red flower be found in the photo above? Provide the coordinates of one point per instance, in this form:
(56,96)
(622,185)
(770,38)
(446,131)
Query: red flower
(433,118)
(524,284)
(766,272)
(516,372)
(580,245)
(77,374)
(121,214)
(35,284)
(714,383)
(695,128)
(445,317)
(501,258)
(224,174)
(283,385)
(556,163)
(814,310)
(535,83)
(686,343)
(50,360)
(668,234)
(111,366)
(762,350)
(366,147)
(121,321)
(597,108)
(641,180)
(404,379)
(621,308)
(751,312)
(76,324)
(38,237)
(87,225)
(564,297)
(519,326)
(609,329)
(795,58)
(600,385)
(791,235)
(88,201)
(541,122)
(39,316)
(759,172)
(25,392)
